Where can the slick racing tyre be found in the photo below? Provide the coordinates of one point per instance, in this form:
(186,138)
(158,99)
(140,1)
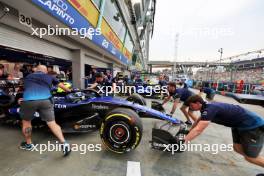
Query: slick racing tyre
(121,130)
(136,98)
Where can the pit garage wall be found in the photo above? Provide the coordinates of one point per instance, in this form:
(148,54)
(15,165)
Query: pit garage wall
(14,38)
(17,39)
(15,35)
(82,57)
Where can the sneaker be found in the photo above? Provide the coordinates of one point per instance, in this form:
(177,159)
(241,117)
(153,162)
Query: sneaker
(66,149)
(188,122)
(25,146)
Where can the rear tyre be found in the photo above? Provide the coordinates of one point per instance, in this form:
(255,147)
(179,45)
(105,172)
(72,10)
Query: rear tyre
(136,98)
(121,130)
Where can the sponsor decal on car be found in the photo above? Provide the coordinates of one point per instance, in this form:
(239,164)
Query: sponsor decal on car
(100,107)
(60,106)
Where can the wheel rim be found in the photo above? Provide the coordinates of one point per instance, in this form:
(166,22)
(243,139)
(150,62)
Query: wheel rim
(119,133)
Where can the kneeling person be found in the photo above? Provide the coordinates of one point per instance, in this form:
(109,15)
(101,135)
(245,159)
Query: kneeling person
(210,93)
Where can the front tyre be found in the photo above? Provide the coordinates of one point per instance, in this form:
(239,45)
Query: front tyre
(121,130)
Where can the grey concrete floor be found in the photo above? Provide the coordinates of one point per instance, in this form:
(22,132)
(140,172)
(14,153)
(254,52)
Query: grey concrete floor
(15,162)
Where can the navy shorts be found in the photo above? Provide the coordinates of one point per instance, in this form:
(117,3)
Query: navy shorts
(251,140)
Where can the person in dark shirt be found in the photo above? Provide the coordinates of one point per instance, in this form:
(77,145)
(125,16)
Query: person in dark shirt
(138,80)
(37,98)
(3,75)
(180,94)
(99,81)
(93,75)
(101,85)
(210,93)
(247,127)
(108,75)
(162,81)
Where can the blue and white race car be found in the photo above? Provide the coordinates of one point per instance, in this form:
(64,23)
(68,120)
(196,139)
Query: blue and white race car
(118,120)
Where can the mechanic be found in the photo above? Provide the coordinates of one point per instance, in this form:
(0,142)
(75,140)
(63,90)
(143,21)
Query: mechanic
(99,83)
(247,127)
(210,93)
(37,98)
(180,94)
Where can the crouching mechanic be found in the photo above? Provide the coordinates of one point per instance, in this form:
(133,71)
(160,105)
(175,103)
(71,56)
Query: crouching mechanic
(180,94)
(210,93)
(37,98)
(247,127)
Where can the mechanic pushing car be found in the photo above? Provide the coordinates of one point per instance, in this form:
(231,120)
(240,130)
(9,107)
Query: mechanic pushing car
(247,127)
(180,94)
(37,98)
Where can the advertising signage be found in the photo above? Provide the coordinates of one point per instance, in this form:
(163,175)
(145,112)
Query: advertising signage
(67,14)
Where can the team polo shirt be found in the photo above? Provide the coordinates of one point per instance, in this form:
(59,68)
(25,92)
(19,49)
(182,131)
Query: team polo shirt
(230,115)
(182,93)
(38,86)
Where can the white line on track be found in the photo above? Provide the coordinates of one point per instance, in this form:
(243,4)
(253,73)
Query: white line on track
(133,168)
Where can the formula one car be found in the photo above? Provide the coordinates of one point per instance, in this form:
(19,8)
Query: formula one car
(118,120)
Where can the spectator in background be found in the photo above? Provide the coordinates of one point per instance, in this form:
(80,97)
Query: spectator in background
(109,75)
(50,69)
(166,78)
(34,68)
(16,72)
(138,79)
(162,81)
(126,79)
(3,75)
(53,74)
(92,75)
(26,70)
(69,75)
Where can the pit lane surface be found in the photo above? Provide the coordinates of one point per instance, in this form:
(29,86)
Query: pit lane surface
(15,162)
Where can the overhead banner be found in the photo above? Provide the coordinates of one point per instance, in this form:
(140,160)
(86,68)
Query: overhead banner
(91,13)
(67,14)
